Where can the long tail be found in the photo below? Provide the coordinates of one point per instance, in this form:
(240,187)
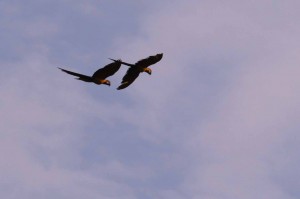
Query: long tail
(80,76)
(124,63)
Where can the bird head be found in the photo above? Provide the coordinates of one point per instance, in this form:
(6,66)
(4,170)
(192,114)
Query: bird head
(107,82)
(148,70)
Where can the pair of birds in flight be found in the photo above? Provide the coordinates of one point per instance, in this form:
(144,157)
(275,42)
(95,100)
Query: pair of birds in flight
(99,77)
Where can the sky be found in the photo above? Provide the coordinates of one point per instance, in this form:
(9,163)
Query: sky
(217,119)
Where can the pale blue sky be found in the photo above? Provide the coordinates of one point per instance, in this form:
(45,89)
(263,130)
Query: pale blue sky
(217,119)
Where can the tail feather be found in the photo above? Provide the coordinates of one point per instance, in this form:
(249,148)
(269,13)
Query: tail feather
(78,75)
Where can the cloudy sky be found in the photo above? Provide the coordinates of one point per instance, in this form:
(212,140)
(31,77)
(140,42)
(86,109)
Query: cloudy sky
(217,119)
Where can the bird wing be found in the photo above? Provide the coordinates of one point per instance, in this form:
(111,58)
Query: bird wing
(129,77)
(120,61)
(80,76)
(107,70)
(149,61)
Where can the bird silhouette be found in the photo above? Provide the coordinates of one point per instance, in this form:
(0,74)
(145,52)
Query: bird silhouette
(99,77)
(137,68)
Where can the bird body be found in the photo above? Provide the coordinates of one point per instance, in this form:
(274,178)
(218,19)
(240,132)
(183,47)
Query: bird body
(137,68)
(99,77)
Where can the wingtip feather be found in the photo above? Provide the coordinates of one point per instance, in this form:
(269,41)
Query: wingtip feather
(123,85)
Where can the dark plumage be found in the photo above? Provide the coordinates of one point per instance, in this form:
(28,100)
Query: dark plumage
(135,69)
(99,77)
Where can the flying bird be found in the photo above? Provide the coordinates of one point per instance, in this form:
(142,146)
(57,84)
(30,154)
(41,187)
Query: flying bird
(99,77)
(137,68)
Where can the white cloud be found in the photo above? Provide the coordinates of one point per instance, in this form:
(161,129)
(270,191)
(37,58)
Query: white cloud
(239,145)
(215,119)
(41,135)
(235,143)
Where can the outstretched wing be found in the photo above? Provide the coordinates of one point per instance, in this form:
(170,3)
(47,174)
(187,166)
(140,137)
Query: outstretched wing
(129,77)
(127,64)
(144,63)
(107,70)
(80,76)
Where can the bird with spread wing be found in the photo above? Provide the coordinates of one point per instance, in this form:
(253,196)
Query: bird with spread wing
(99,77)
(137,68)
